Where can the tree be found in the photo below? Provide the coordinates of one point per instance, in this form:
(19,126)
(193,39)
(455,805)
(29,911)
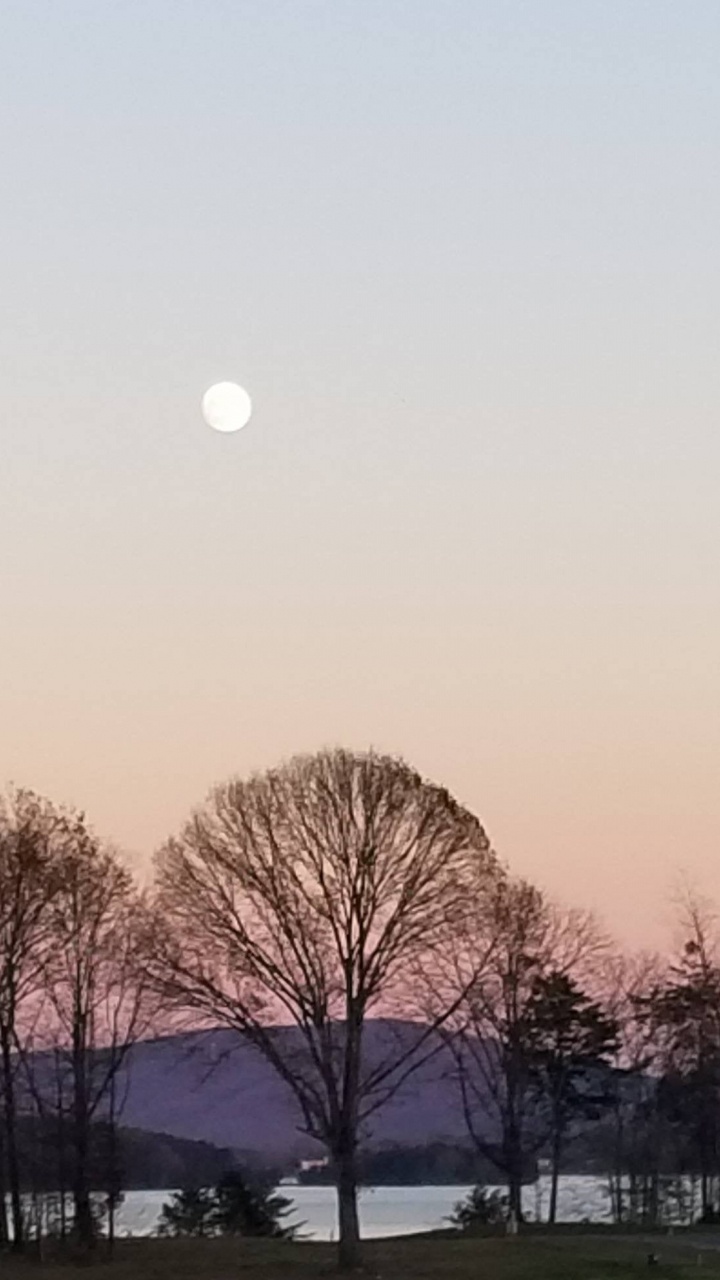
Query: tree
(632,1138)
(571,1040)
(190,1212)
(682,1014)
(247,1207)
(316,894)
(492,1035)
(480,1208)
(31,833)
(237,1206)
(96,1001)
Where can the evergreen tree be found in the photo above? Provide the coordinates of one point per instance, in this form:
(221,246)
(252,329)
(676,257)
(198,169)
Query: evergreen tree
(190,1213)
(683,1015)
(480,1208)
(572,1040)
(250,1208)
(236,1206)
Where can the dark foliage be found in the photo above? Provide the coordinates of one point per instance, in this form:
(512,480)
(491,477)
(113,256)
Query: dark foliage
(480,1208)
(431,1164)
(189,1213)
(247,1207)
(142,1160)
(238,1205)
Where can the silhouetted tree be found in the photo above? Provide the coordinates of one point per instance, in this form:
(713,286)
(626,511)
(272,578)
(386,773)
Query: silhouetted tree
(316,893)
(495,1040)
(190,1212)
(682,1015)
(249,1207)
(238,1205)
(571,1040)
(480,1208)
(32,833)
(96,997)
(631,1137)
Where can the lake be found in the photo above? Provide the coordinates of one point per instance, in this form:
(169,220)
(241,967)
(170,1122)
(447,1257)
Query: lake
(389,1211)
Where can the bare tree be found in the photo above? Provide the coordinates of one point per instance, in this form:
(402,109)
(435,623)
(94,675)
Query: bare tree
(96,998)
(682,1016)
(312,895)
(634,1137)
(492,1034)
(32,832)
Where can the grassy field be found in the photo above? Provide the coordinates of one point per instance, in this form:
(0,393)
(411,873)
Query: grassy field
(541,1257)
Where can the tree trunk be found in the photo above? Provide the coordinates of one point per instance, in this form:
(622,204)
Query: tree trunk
(111,1226)
(619,1161)
(654,1198)
(84,1223)
(62,1168)
(83,1218)
(11,1147)
(515,1196)
(62,1178)
(512,1145)
(555,1174)
(114,1181)
(348,1218)
(515,1183)
(4,1234)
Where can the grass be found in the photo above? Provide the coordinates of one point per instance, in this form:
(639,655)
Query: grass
(565,1256)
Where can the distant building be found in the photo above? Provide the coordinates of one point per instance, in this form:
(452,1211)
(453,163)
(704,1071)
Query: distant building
(306,1165)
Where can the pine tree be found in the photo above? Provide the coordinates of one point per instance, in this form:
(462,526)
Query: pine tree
(190,1213)
(684,1016)
(480,1208)
(572,1040)
(250,1208)
(238,1206)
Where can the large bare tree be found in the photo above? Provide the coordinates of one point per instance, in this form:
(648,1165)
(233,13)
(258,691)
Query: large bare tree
(314,895)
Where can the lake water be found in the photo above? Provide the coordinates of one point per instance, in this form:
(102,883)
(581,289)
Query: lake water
(389,1211)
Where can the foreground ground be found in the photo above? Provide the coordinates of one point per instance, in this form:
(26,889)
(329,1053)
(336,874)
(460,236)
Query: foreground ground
(538,1257)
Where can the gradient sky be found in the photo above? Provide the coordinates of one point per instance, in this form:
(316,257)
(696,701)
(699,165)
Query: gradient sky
(465,257)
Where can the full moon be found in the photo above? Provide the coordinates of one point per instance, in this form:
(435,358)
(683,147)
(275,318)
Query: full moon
(226,407)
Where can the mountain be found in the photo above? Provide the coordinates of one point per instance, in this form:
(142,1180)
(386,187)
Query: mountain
(213,1086)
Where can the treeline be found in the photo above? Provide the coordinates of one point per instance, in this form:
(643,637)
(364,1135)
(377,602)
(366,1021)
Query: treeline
(336,888)
(142,1160)
(439,1164)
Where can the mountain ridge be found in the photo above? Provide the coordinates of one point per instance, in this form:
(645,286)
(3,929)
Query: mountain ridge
(214,1086)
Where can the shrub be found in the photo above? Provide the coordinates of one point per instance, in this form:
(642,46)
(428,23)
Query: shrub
(480,1208)
(250,1208)
(236,1206)
(189,1213)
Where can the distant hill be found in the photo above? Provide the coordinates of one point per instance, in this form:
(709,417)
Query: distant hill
(439,1164)
(143,1159)
(214,1087)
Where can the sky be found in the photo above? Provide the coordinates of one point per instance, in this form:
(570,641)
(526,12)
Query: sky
(464,256)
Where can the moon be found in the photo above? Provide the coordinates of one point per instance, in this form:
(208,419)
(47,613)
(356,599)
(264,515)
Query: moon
(226,406)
